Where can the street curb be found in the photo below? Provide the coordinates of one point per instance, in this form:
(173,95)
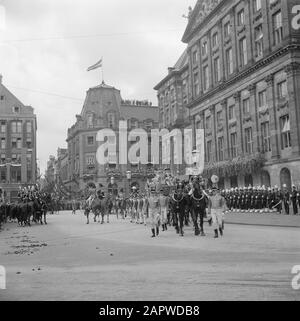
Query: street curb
(258,224)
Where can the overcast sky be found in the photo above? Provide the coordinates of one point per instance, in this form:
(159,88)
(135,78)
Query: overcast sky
(46,47)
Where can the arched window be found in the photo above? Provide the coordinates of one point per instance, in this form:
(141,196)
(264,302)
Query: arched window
(285,178)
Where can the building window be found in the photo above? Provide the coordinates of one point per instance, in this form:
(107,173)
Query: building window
(241,17)
(111,120)
(231,112)
(16,127)
(221,149)
(208,123)
(246,106)
(285,132)
(208,151)
(90,160)
(204,48)
(135,124)
(3,143)
(184,88)
(14,143)
(195,57)
(282,90)
(2,158)
(3,174)
(90,140)
(205,78)
(19,143)
(215,39)
(266,139)
(3,127)
(249,140)
(196,83)
(259,41)
(243,52)
(90,121)
(219,118)
(233,144)
(229,62)
(1,97)
(28,127)
(256,5)
(262,98)
(227,29)
(278,29)
(16,109)
(19,127)
(217,69)
(29,144)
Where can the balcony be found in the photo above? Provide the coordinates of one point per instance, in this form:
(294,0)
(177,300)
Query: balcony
(240,165)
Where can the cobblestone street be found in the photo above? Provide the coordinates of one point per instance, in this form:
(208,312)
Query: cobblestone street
(69,260)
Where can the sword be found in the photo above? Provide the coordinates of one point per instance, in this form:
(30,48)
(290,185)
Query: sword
(276,205)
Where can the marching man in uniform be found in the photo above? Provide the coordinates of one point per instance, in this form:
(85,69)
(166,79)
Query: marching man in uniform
(164,204)
(153,210)
(217,208)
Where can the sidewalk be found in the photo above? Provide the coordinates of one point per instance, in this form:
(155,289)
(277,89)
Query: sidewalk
(264,219)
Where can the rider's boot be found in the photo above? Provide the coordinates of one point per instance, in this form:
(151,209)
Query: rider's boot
(216,234)
(153,232)
(221,231)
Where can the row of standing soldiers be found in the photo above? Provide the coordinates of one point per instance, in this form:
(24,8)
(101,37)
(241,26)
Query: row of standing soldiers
(262,200)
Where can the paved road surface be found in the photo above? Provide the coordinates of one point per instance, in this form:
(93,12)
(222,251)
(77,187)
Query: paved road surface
(69,260)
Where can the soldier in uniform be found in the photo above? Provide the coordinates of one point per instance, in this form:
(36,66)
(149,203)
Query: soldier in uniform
(294,199)
(278,200)
(217,208)
(163,205)
(153,208)
(286,199)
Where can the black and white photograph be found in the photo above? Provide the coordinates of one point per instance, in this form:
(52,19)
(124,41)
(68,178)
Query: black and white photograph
(149,152)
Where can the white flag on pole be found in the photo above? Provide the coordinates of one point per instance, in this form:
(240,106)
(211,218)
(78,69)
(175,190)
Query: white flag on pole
(96,66)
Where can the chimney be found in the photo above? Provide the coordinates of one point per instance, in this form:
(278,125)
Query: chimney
(170,69)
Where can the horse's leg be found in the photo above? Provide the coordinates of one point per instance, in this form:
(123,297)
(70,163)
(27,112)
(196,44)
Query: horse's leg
(195,221)
(201,223)
(87,217)
(181,221)
(45,217)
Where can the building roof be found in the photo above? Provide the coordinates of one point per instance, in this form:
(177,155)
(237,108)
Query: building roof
(181,63)
(140,113)
(9,101)
(201,11)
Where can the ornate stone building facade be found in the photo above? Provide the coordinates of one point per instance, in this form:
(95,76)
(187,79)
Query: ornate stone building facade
(103,109)
(17,144)
(244,89)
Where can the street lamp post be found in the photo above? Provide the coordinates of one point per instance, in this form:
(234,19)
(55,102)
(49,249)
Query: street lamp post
(128,176)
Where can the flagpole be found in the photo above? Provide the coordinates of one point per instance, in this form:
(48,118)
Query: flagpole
(102,72)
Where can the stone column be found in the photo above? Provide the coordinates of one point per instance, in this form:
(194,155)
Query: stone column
(226,130)
(254,116)
(238,114)
(293,84)
(274,125)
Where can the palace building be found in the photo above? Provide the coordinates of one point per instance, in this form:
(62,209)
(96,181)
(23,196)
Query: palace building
(103,109)
(239,80)
(18,127)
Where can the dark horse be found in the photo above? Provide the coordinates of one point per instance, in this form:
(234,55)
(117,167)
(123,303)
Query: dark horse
(178,203)
(198,203)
